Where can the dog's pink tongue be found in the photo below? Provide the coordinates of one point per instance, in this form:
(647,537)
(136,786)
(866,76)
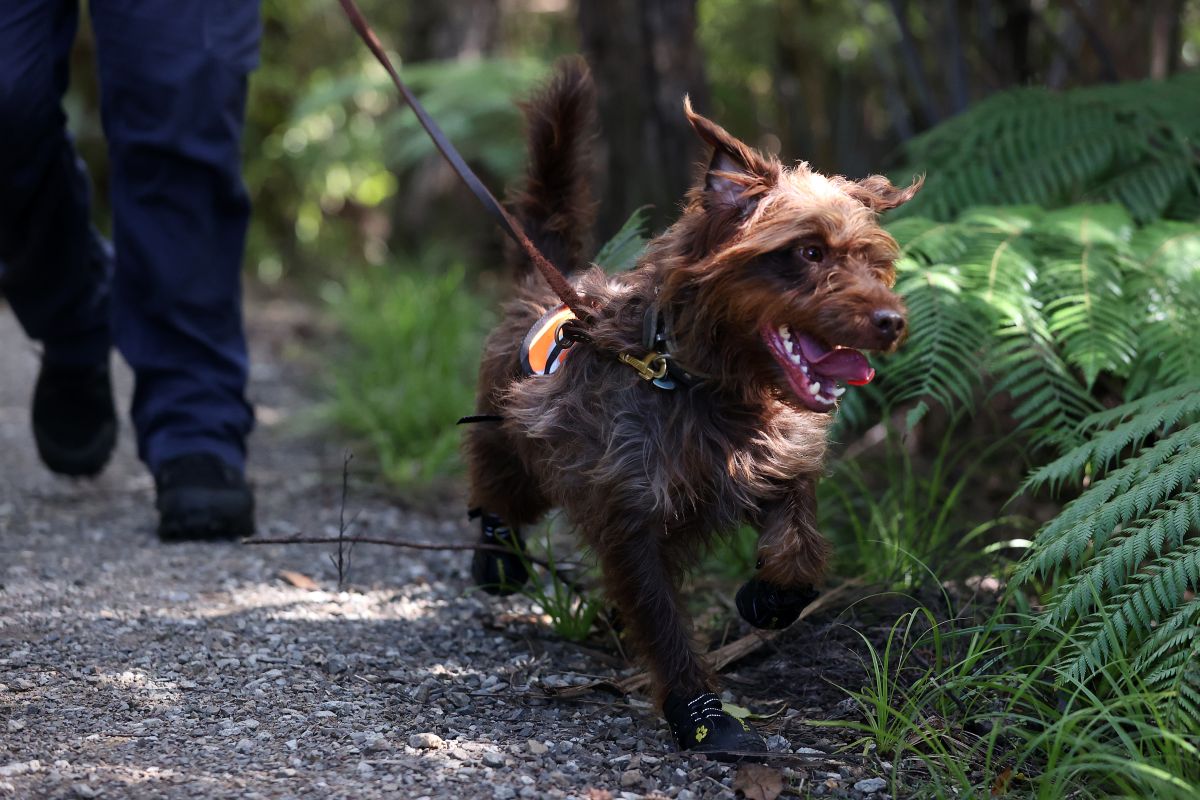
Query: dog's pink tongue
(842,364)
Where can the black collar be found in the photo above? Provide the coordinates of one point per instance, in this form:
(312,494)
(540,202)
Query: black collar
(656,336)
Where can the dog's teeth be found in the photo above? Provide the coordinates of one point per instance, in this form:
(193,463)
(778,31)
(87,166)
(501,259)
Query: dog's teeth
(795,357)
(803,368)
(785,333)
(838,391)
(813,388)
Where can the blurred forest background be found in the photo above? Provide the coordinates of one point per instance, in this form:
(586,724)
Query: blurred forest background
(340,177)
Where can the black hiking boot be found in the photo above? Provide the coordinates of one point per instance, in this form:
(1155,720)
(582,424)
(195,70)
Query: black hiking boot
(74,419)
(496,572)
(701,725)
(765,605)
(202,497)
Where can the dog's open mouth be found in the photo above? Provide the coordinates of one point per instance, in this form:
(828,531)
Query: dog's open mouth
(816,372)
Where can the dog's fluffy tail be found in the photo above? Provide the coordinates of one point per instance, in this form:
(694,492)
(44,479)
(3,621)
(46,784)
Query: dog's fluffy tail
(555,204)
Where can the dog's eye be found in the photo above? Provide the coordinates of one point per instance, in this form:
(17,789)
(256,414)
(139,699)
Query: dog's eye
(812,253)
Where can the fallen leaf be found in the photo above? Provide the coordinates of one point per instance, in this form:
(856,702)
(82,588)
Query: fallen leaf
(1000,787)
(735,711)
(299,580)
(758,782)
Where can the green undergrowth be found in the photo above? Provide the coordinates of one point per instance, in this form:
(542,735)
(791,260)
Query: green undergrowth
(412,339)
(891,515)
(985,711)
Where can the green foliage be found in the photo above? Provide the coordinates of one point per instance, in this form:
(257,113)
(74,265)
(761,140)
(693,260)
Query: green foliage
(1044,303)
(472,101)
(622,251)
(413,344)
(1127,548)
(1065,311)
(987,713)
(733,557)
(1127,143)
(887,534)
(572,608)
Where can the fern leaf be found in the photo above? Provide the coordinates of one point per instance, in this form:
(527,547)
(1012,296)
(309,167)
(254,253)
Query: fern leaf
(1121,497)
(622,251)
(1107,571)
(1134,422)
(1161,587)
(1129,143)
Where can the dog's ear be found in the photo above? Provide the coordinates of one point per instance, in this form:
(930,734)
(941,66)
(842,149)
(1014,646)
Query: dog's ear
(878,194)
(737,174)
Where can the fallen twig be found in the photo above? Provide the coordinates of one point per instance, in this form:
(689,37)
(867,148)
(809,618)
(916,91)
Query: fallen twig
(403,543)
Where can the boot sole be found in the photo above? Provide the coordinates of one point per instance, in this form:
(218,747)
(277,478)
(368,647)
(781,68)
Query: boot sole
(78,462)
(205,514)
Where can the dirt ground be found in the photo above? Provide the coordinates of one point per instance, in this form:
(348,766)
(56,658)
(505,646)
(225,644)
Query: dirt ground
(130,668)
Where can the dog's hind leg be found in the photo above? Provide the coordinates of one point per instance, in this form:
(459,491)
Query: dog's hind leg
(641,576)
(503,497)
(791,560)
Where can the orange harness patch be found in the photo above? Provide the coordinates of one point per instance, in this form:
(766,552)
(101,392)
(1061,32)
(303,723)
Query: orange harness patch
(544,350)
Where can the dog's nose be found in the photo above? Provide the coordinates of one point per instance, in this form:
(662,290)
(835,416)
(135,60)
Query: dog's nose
(889,323)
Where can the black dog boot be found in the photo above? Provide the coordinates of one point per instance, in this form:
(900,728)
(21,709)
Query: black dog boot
(765,605)
(701,725)
(493,571)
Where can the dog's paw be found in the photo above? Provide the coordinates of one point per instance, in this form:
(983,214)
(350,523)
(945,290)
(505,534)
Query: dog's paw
(701,725)
(765,605)
(496,572)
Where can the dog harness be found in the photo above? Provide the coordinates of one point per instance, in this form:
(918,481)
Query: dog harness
(547,345)
(545,349)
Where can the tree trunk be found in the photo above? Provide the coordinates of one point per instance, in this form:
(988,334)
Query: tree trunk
(431,201)
(644,58)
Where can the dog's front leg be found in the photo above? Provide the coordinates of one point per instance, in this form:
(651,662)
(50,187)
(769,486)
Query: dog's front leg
(792,555)
(641,573)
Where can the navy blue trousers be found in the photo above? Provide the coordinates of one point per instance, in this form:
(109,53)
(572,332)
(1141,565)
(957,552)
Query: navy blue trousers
(167,292)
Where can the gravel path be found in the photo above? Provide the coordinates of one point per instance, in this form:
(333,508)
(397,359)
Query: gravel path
(129,668)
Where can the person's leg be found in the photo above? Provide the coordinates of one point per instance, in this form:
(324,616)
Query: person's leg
(173,77)
(54,268)
(173,82)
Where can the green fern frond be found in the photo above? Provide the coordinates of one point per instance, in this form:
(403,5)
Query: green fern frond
(1132,424)
(1169,660)
(1126,494)
(1052,403)
(622,251)
(1128,549)
(1167,281)
(1047,302)
(949,330)
(1115,563)
(1158,590)
(1130,143)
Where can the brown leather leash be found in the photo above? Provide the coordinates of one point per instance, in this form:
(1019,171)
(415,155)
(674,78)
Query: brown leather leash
(558,282)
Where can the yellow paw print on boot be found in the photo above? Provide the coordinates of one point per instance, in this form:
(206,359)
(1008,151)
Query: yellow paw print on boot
(701,732)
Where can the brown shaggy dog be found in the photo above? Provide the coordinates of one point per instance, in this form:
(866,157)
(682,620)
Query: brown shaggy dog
(756,295)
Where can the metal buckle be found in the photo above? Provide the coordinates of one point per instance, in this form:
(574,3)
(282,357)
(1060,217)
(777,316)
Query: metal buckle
(653,366)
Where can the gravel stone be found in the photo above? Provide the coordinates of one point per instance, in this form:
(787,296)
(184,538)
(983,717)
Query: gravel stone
(778,744)
(632,777)
(425,741)
(870,785)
